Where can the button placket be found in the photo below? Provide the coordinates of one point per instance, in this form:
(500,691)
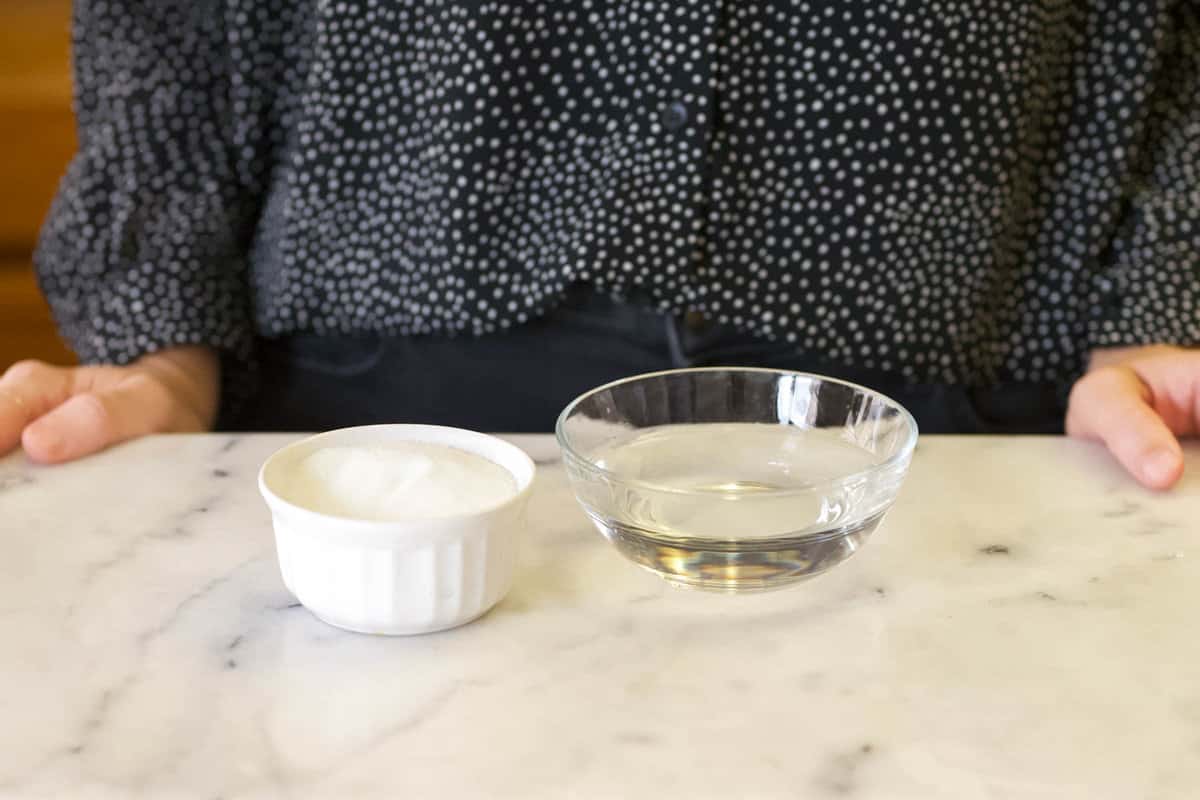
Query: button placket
(684,72)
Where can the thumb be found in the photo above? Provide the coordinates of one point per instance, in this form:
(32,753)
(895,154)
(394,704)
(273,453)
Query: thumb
(93,420)
(1113,404)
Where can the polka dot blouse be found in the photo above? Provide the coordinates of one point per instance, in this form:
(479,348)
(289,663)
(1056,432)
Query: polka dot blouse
(953,190)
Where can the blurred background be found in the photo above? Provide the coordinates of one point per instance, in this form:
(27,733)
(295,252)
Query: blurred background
(37,137)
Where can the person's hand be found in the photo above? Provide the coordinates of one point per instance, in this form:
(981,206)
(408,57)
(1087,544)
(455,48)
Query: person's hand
(63,413)
(1138,401)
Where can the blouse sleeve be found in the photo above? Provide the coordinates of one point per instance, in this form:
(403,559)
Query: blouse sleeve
(144,247)
(1152,285)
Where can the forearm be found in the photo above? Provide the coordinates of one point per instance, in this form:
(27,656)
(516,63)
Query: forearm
(192,374)
(1111,356)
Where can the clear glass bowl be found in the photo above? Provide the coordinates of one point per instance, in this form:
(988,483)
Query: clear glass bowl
(736,479)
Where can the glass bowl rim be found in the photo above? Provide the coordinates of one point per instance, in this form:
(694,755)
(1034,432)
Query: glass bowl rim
(903,453)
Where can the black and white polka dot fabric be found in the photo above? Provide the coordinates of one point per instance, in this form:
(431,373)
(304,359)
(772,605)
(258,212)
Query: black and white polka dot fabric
(955,190)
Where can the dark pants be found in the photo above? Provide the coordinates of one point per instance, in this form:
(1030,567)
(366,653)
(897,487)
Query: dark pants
(518,381)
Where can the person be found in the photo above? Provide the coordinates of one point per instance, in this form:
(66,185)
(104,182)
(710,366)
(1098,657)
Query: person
(285,213)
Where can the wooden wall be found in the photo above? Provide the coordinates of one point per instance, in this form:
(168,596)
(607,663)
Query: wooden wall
(37,137)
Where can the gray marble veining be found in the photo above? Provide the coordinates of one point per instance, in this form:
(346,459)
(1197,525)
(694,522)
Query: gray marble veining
(1022,625)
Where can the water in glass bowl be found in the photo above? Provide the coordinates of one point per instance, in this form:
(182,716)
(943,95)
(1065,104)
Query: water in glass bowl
(738,506)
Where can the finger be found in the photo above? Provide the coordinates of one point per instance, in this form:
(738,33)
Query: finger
(28,389)
(1114,405)
(93,420)
(1174,379)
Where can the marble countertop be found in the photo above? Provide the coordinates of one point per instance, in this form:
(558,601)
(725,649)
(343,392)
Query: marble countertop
(1022,625)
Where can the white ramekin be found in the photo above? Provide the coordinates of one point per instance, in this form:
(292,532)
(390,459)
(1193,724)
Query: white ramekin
(397,577)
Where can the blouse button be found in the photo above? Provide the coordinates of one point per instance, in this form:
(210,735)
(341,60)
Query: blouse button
(674,115)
